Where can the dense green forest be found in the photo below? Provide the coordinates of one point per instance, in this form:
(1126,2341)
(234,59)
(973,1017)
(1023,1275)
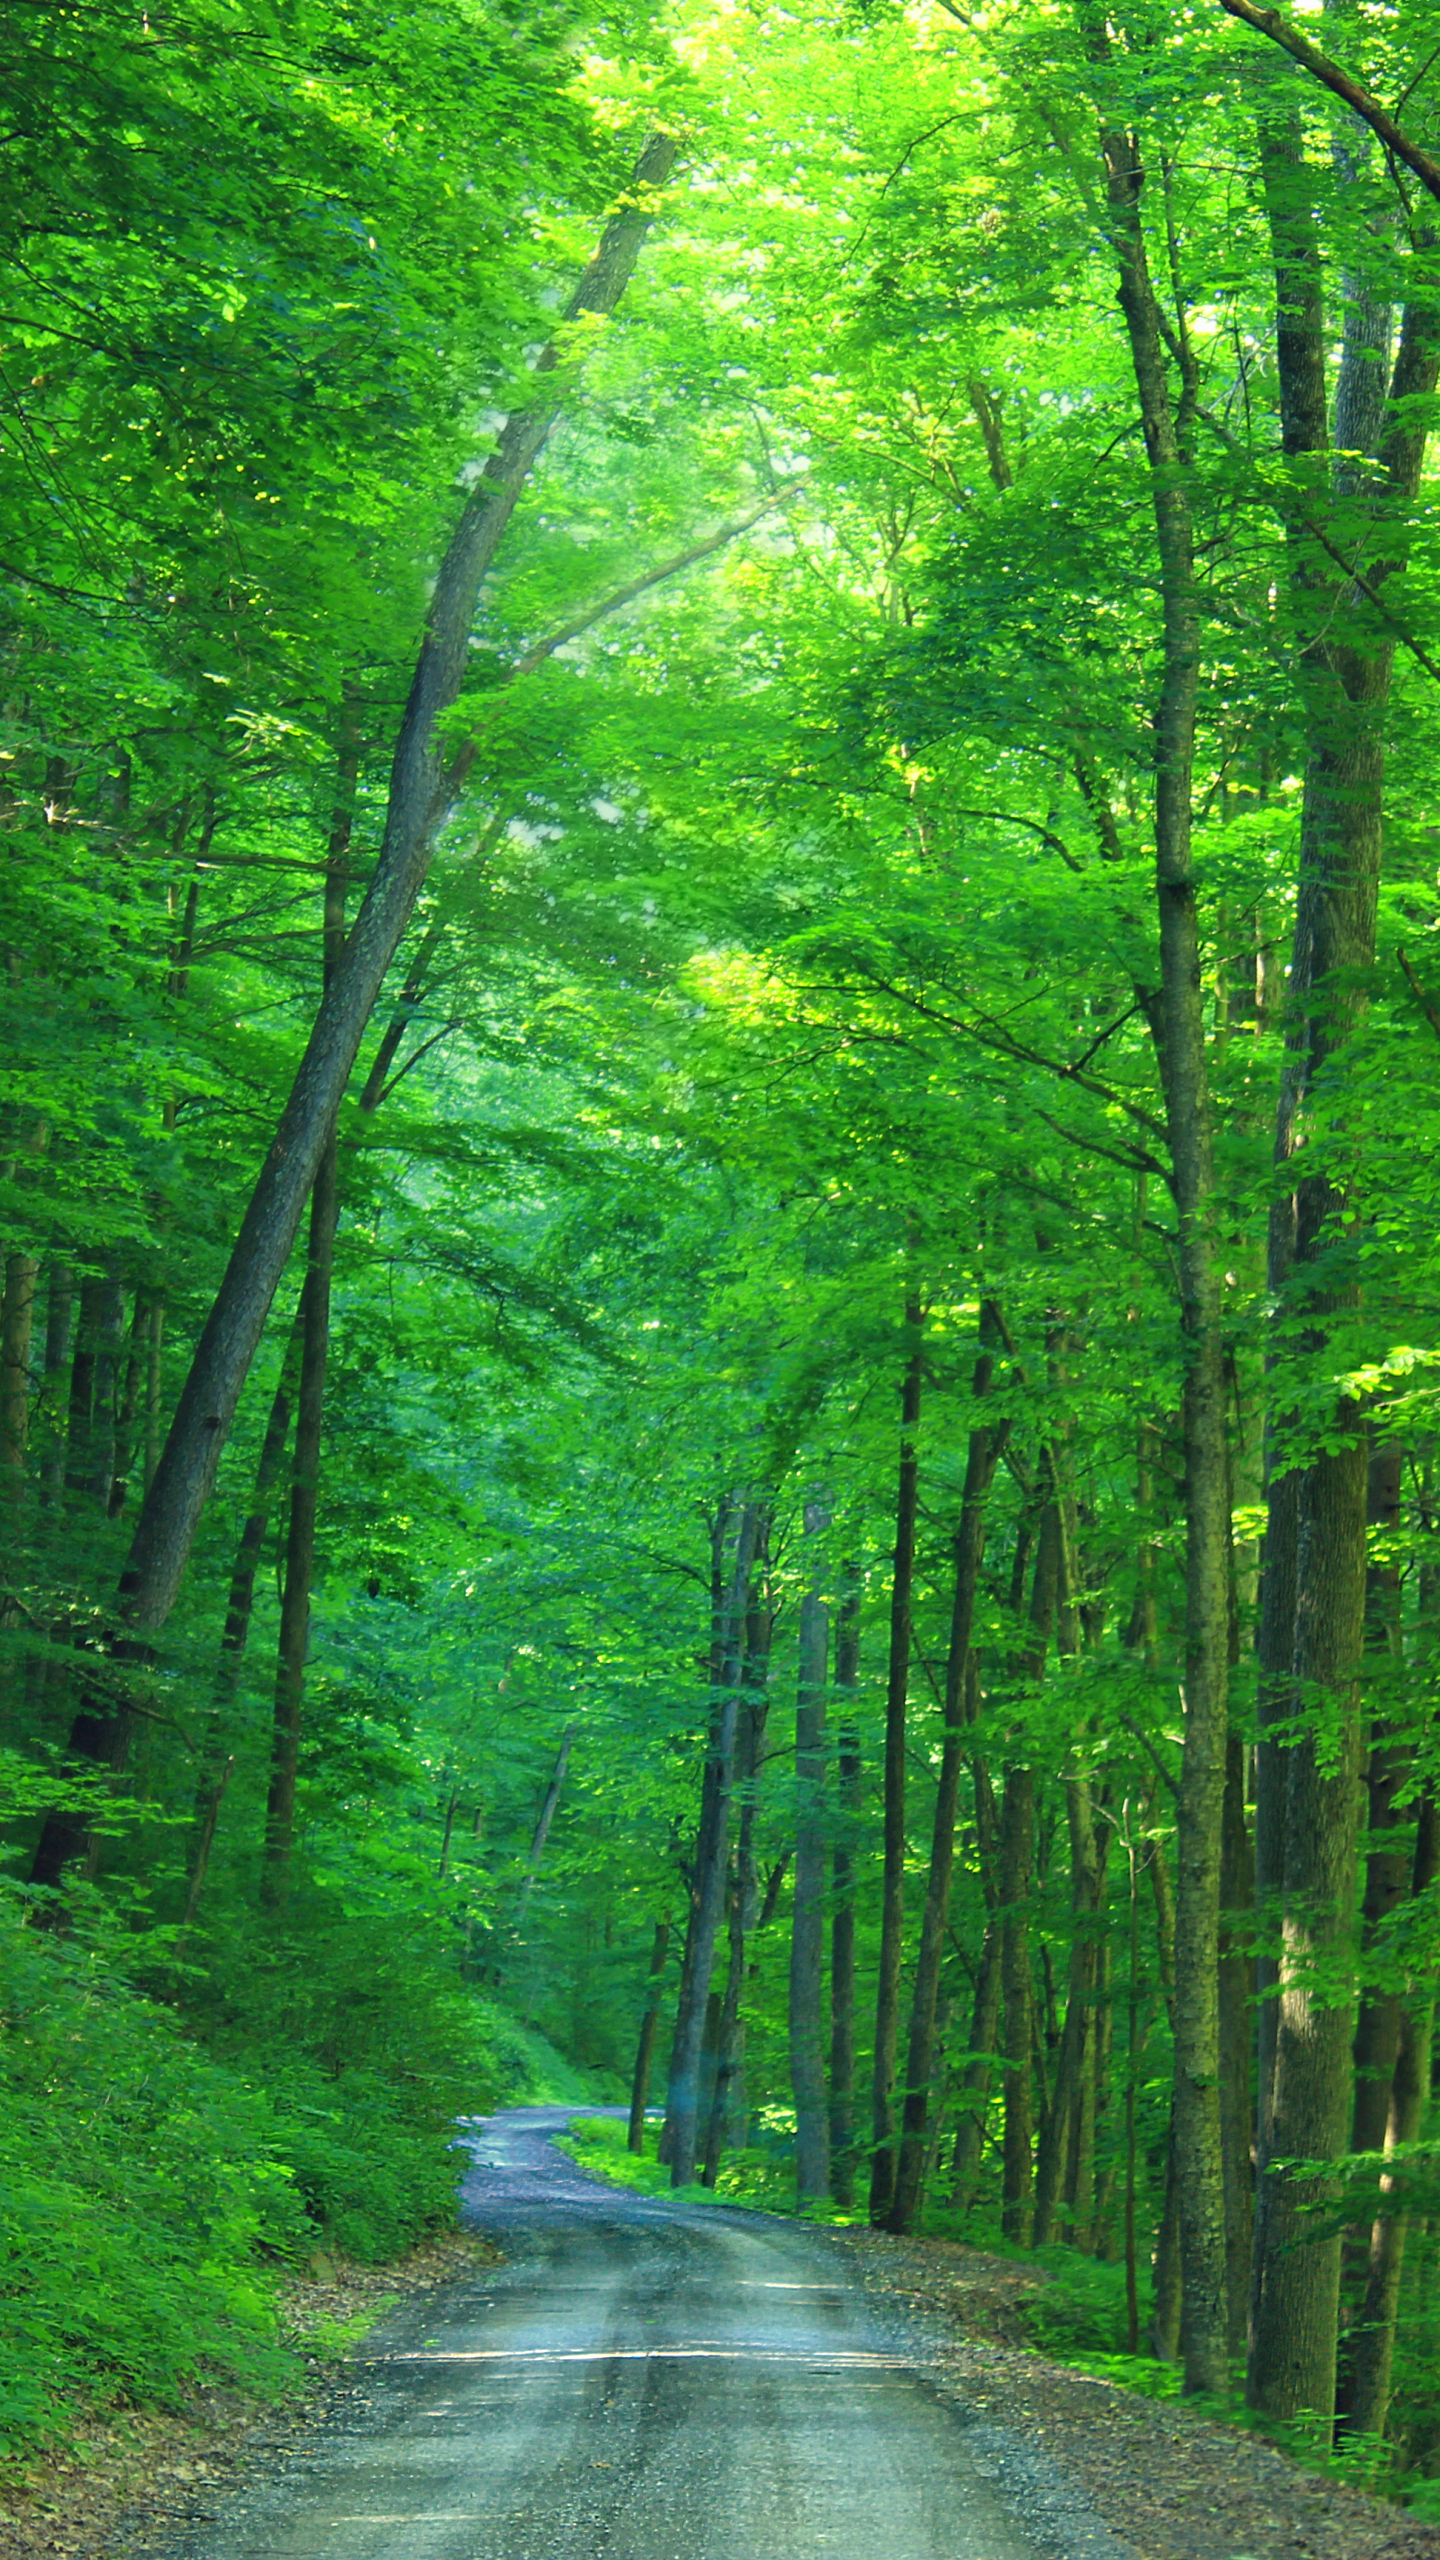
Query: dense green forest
(720,1317)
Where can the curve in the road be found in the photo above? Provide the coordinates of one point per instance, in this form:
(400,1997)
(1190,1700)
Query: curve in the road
(644,2380)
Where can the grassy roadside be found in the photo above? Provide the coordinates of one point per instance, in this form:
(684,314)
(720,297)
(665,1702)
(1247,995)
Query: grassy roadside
(762,2177)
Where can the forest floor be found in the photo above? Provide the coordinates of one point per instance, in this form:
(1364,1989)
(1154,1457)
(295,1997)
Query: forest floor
(1171,2484)
(129,2472)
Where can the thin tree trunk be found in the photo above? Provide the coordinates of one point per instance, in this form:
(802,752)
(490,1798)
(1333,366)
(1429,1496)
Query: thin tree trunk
(983,1456)
(59,1325)
(543,1820)
(710,1858)
(848,1772)
(723,2110)
(1063,2147)
(1017,1870)
(974,2093)
(892,1906)
(645,2046)
(1372,2344)
(807,1935)
(1237,2111)
(294,1642)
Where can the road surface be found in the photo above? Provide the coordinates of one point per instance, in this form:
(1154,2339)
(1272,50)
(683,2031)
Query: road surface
(641,2381)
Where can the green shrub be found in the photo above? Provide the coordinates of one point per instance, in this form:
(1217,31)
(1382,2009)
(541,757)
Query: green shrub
(146,2197)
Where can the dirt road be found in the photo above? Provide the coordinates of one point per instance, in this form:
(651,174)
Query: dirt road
(645,2381)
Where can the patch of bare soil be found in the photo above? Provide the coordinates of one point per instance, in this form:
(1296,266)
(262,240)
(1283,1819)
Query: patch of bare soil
(126,2471)
(1168,2483)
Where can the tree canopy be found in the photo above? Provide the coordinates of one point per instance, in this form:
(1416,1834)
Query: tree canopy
(841,1477)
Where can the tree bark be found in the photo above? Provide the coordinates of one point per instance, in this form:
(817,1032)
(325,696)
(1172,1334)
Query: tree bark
(723,2112)
(807,1934)
(848,1771)
(294,1641)
(420,796)
(418,801)
(1168,433)
(1372,2343)
(1309,1791)
(709,1888)
(645,2047)
(897,1690)
(983,1456)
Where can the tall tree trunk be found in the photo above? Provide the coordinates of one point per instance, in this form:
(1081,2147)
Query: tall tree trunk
(1346,668)
(420,794)
(848,1772)
(723,2109)
(983,1456)
(294,1643)
(897,1691)
(1064,2150)
(1169,436)
(710,1859)
(807,1935)
(1016,1876)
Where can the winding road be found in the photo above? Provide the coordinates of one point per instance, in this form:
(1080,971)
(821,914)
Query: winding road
(642,2380)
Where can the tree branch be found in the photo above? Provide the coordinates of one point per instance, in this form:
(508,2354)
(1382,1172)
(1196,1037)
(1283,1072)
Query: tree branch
(1268,22)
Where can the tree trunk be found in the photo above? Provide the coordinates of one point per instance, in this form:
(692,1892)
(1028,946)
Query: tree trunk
(807,1937)
(550,1806)
(419,799)
(1372,2342)
(897,1688)
(709,1888)
(975,2085)
(1309,1797)
(1237,2112)
(1065,2152)
(421,793)
(17,1313)
(724,2113)
(983,1456)
(59,1325)
(645,2048)
(1168,445)
(294,1641)
(1017,1869)
(842,1876)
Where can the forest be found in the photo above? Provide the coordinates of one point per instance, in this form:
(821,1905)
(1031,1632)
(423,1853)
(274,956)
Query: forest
(718,1361)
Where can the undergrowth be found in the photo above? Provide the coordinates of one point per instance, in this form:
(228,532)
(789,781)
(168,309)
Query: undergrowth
(181,2121)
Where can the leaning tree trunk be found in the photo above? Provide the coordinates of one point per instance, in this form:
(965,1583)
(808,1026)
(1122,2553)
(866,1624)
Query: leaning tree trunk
(419,800)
